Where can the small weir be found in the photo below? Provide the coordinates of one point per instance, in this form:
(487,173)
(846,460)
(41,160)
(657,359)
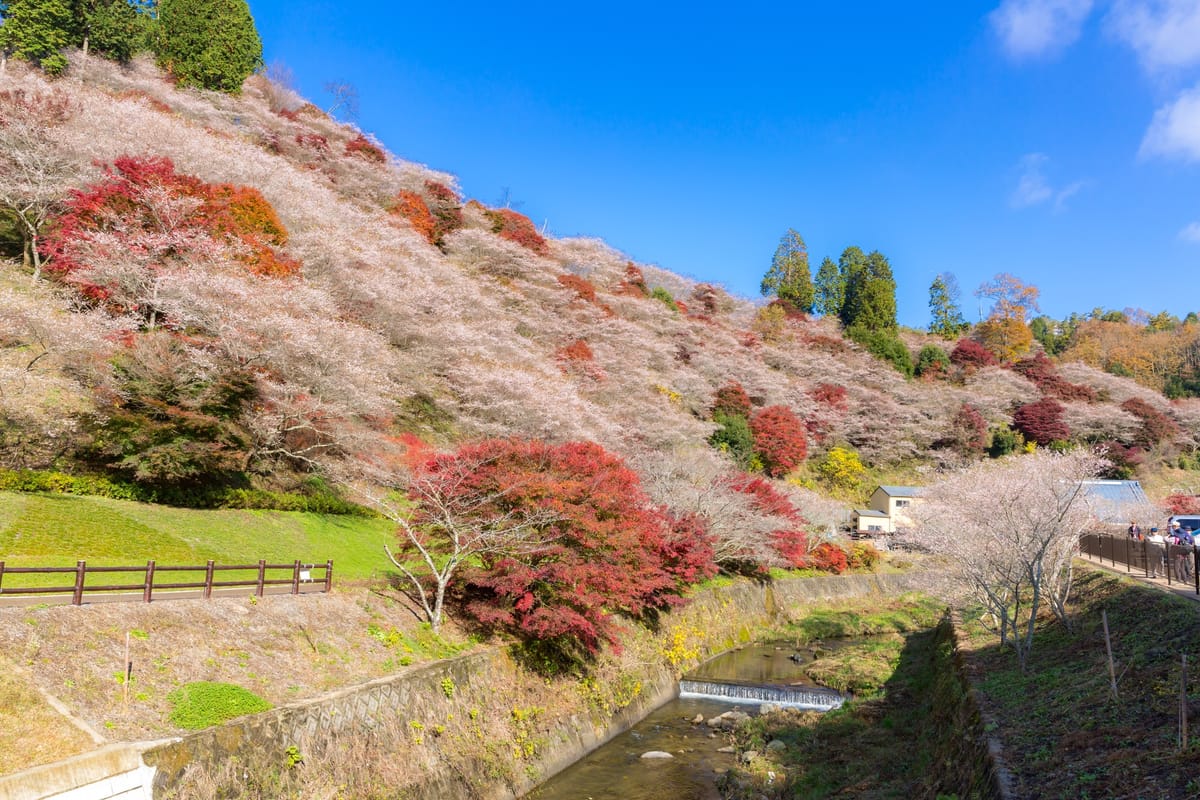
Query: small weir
(745,678)
(807,697)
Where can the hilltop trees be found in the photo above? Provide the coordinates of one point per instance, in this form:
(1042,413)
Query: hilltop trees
(1005,332)
(39,30)
(789,278)
(946,319)
(870,299)
(829,289)
(212,44)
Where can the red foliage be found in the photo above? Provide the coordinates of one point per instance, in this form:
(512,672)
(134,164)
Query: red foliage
(129,202)
(779,439)
(1156,426)
(825,344)
(634,284)
(731,400)
(792,546)
(362,147)
(1182,504)
(411,206)
(766,497)
(518,228)
(1041,421)
(607,551)
(446,207)
(578,350)
(1041,372)
(829,394)
(584,289)
(968,430)
(706,296)
(313,141)
(47,108)
(969,355)
(828,557)
(1122,460)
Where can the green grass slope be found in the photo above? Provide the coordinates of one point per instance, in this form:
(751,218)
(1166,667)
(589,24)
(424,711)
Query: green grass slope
(58,530)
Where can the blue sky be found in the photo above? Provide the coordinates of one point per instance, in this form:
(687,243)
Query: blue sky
(1058,140)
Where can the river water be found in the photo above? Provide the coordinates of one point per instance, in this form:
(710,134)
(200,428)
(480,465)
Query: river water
(617,770)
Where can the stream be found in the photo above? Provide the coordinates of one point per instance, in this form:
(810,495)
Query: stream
(739,680)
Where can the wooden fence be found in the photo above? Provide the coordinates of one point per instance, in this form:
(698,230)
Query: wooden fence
(297,575)
(1179,564)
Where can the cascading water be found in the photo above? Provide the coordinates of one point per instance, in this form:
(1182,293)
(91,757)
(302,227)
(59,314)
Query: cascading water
(752,676)
(812,698)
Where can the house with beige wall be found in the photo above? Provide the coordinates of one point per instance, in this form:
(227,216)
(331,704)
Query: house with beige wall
(888,510)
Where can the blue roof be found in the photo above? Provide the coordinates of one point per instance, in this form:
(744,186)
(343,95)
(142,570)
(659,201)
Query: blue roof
(1116,500)
(901,491)
(869,512)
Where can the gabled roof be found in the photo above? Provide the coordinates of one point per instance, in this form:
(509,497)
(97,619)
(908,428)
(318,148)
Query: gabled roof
(902,491)
(870,512)
(1113,501)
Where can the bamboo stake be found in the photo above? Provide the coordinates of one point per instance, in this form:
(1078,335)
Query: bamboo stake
(1112,672)
(128,668)
(1183,706)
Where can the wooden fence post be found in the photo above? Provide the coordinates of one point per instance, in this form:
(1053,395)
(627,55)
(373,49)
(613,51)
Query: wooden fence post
(208,576)
(296,577)
(262,576)
(1,577)
(329,575)
(148,588)
(80,571)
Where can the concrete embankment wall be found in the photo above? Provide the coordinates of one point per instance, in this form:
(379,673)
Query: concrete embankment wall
(480,725)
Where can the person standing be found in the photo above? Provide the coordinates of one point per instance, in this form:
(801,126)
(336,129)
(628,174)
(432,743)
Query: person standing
(1134,531)
(1154,553)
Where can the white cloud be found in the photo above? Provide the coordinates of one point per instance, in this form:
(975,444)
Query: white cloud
(1034,188)
(1191,233)
(1164,33)
(1175,130)
(1031,28)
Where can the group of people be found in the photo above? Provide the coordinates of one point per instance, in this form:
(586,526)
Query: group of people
(1158,549)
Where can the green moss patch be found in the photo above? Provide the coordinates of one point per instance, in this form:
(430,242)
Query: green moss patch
(203,704)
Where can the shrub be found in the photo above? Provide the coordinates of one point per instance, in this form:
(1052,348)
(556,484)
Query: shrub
(778,439)
(362,147)
(968,431)
(731,400)
(202,704)
(970,355)
(863,555)
(1156,426)
(411,206)
(1040,371)
(517,228)
(212,44)
(1042,421)
(584,289)
(884,345)
(829,394)
(1122,461)
(932,362)
(828,557)
(770,324)
(841,469)
(634,283)
(1182,504)
(1004,440)
(733,437)
(446,207)
(663,296)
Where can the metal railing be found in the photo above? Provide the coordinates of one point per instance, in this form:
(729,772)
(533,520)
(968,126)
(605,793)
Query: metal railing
(298,574)
(1179,563)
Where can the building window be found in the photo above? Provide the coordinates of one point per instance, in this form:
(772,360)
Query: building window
(901,504)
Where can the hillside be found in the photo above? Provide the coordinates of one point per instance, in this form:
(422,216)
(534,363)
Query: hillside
(342,329)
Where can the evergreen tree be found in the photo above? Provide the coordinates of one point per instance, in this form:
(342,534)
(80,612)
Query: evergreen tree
(870,301)
(38,31)
(946,319)
(108,27)
(829,289)
(212,44)
(789,278)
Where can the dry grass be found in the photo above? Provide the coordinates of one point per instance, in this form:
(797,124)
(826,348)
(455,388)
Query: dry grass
(283,648)
(24,712)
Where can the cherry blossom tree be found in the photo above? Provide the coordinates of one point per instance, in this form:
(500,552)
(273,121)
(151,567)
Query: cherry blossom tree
(1007,531)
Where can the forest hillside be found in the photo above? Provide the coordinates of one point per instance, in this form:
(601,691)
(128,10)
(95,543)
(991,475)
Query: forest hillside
(235,292)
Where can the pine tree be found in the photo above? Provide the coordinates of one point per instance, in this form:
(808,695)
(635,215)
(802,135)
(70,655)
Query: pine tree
(38,31)
(870,301)
(946,319)
(789,278)
(108,27)
(829,289)
(212,44)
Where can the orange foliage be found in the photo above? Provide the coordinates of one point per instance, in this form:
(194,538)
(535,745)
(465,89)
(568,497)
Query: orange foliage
(517,228)
(363,147)
(584,289)
(411,206)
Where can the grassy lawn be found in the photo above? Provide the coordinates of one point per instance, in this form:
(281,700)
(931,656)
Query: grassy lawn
(58,530)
